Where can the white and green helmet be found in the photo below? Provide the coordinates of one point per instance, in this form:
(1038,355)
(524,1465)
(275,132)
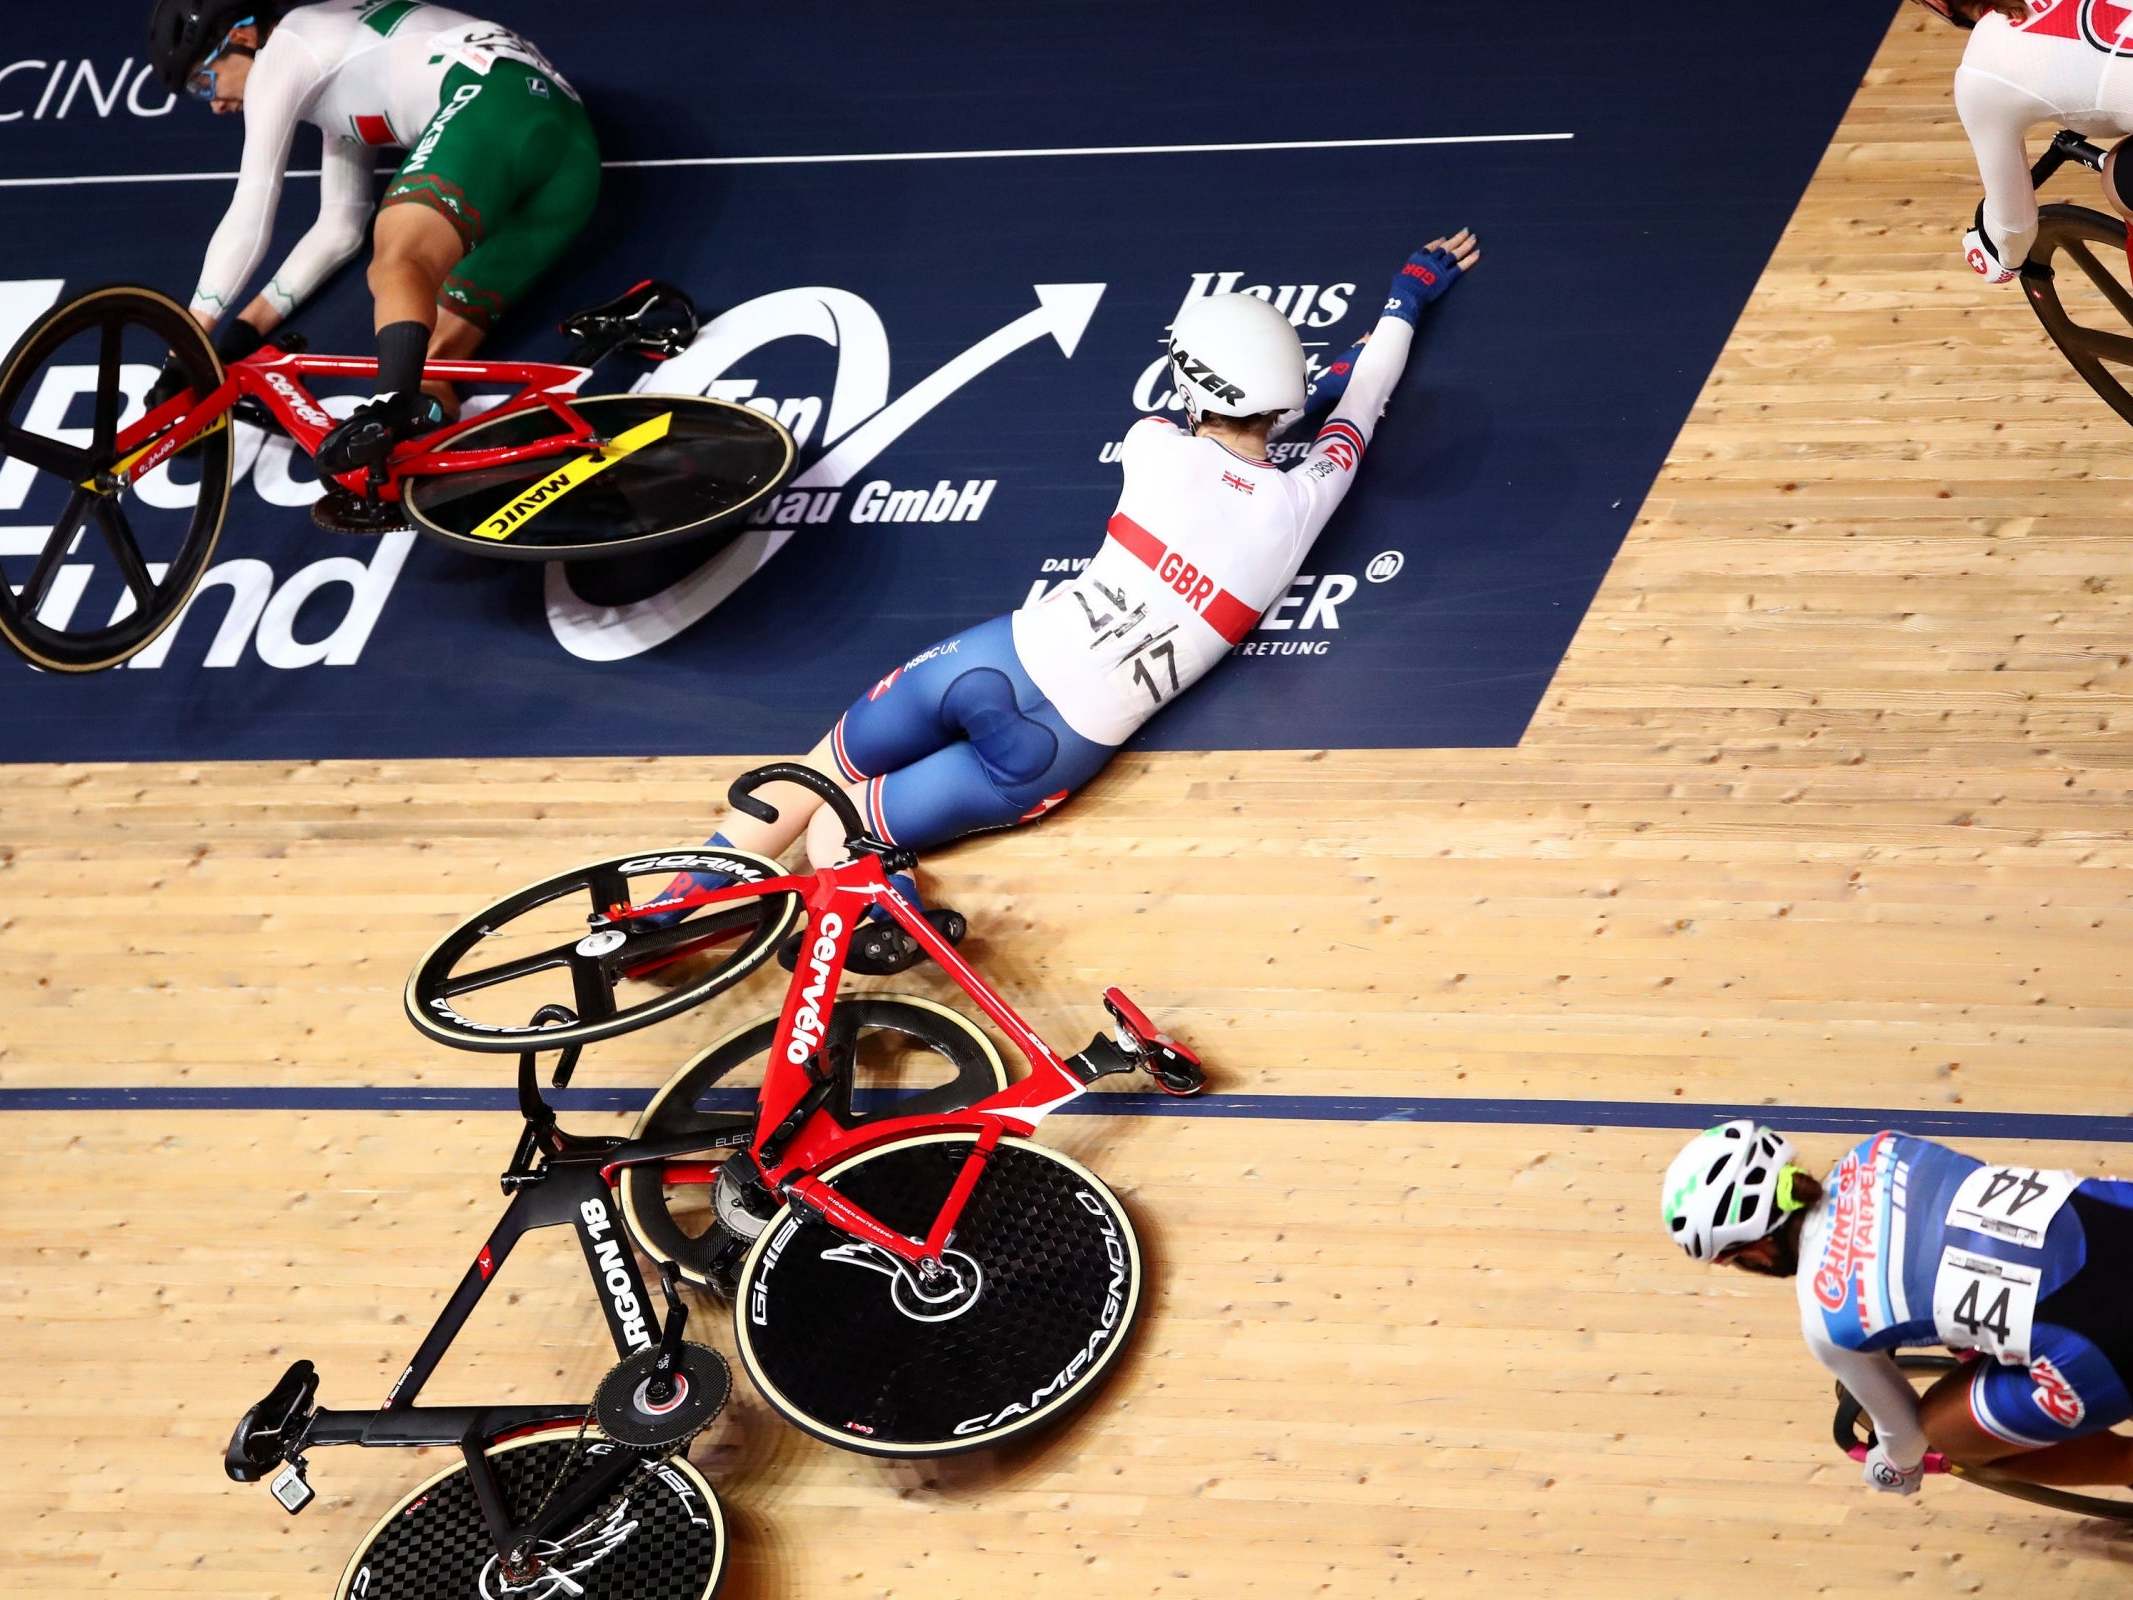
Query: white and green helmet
(1728,1187)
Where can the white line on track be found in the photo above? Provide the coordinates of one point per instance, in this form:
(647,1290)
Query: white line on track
(1096,150)
(883,155)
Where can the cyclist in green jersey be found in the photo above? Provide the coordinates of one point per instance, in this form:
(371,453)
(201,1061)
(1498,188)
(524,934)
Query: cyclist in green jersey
(500,174)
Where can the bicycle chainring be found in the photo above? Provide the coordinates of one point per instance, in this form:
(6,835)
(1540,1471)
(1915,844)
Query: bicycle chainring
(338,511)
(624,1410)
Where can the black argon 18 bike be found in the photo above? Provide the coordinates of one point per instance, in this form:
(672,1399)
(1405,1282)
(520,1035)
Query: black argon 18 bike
(2079,279)
(568,1501)
(914,1280)
(1854,1435)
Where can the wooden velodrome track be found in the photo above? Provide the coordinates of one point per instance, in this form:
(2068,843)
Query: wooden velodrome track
(1827,806)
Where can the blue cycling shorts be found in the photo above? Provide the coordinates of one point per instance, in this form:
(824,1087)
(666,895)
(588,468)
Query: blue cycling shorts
(2081,1345)
(958,740)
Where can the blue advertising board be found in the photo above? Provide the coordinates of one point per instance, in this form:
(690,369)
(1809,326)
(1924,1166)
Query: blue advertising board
(944,243)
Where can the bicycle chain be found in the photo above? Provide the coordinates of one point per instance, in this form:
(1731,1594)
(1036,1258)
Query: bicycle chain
(577,1448)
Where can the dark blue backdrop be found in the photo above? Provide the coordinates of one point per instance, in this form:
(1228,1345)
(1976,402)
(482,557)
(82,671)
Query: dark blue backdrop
(1543,396)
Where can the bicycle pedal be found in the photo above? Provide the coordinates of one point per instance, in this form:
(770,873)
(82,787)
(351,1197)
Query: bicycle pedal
(1176,1076)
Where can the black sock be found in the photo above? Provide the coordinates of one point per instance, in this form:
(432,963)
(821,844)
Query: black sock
(401,348)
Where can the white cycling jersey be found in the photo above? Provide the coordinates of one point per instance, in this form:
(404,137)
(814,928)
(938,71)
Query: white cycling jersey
(366,73)
(2070,65)
(1202,542)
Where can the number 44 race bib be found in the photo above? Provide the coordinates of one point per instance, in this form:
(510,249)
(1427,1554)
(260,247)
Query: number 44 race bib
(1982,1302)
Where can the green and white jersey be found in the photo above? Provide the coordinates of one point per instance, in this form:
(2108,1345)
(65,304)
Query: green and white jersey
(367,74)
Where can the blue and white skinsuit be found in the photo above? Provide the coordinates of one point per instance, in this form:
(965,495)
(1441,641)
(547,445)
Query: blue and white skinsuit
(1002,722)
(1915,1244)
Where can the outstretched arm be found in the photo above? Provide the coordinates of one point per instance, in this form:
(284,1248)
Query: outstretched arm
(1895,1463)
(275,91)
(1359,383)
(343,212)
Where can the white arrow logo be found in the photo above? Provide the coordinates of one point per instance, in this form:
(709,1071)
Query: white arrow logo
(850,326)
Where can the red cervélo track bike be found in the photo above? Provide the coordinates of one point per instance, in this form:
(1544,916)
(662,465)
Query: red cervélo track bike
(913,1279)
(544,475)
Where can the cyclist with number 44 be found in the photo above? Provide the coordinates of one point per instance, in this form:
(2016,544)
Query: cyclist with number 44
(1001,723)
(501,173)
(1907,1243)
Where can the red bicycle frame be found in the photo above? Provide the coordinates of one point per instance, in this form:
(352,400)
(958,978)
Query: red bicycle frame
(274,378)
(836,899)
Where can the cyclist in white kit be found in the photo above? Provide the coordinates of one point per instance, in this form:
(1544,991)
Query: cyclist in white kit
(1002,722)
(2066,63)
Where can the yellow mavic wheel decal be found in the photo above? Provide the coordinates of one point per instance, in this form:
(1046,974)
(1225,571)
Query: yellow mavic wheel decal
(538,497)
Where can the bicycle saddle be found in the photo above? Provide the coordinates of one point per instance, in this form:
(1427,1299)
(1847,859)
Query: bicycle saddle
(269,1432)
(653,319)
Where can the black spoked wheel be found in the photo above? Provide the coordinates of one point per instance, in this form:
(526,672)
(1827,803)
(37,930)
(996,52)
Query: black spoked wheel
(1040,1292)
(534,949)
(2079,284)
(96,567)
(703,1228)
(672,467)
(660,1536)
(1852,1430)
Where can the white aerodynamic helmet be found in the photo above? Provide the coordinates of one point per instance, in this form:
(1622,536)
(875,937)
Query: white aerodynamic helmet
(1727,1188)
(1236,356)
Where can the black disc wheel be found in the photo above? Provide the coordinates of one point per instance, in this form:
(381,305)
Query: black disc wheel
(1036,1295)
(889,1052)
(97,562)
(668,468)
(2079,284)
(1852,1430)
(543,948)
(659,1536)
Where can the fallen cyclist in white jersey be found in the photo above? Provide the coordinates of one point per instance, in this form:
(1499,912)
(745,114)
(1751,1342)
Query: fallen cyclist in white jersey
(1002,722)
(2031,62)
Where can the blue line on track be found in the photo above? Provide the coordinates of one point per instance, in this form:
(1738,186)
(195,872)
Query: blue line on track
(1275,1107)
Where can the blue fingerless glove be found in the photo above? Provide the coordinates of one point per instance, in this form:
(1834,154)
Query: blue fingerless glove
(1332,381)
(1427,274)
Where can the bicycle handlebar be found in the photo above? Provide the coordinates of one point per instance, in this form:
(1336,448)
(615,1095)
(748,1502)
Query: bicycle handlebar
(1934,1462)
(742,795)
(1856,1441)
(2066,146)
